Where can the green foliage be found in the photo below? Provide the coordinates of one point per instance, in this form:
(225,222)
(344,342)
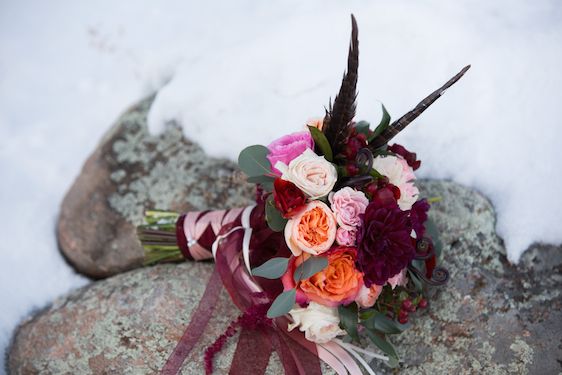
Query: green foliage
(381,323)
(272,269)
(385,121)
(282,304)
(380,341)
(321,143)
(310,267)
(362,127)
(274,218)
(265,181)
(433,232)
(348,320)
(253,161)
(418,284)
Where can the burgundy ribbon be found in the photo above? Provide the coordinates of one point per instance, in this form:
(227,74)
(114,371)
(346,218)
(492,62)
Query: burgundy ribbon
(199,320)
(259,336)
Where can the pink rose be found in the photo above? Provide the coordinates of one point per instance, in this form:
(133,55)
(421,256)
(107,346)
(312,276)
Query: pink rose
(288,147)
(348,204)
(398,280)
(346,237)
(368,296)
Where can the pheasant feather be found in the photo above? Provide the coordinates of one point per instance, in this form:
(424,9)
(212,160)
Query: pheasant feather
(338,117)
(399,125)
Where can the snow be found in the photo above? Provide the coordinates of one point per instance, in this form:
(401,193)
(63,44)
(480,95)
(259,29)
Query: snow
(236,73)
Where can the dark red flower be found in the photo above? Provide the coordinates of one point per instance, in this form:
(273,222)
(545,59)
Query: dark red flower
(289,199)
(410,157)
(418,216)
(385,246)
(386,196)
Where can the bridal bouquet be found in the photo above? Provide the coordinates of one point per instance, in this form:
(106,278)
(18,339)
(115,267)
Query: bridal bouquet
(337,253)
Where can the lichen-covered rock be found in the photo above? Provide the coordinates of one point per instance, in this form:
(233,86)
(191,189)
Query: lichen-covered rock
(492,318)
(130,171)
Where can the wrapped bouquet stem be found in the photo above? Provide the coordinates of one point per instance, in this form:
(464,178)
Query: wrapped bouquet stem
(336,255)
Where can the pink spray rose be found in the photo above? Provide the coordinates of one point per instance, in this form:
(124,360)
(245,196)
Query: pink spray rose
(368,296)
(288,147)
(346,237)
(399,279)
(348,204)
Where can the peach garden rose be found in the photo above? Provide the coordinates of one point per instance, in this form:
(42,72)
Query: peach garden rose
(337,284)
(312,231)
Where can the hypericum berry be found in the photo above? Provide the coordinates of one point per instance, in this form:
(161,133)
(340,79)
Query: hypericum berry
(371,189)
(362,138)
(382,181)
(408,305)
(352,147)
(351,169)
(403,317)
(422,304)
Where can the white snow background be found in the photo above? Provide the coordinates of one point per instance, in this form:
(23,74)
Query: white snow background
(241,72)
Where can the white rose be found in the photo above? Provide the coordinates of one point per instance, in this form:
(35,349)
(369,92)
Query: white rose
(319,323)
(311,173)
(399,174)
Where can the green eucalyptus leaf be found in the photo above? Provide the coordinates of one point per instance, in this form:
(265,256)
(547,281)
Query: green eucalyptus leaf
(380,341)
(253,161)
(433,232)
(367,314)
(274,218)
(375,174)
(393,362)
(310,267)
(348,320)
(362,127)
(321,142)
(265,181)
(261,179)
(385,121)
(384,324)
(272,269)
(282,304)
(416,281)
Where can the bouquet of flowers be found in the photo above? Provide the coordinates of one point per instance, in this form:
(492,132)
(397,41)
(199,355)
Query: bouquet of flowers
(337,252)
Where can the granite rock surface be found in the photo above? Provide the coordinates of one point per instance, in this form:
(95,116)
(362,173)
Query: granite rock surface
(492,318)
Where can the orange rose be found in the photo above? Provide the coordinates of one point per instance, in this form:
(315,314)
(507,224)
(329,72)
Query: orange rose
(337,284)
(312,231)
(317,122)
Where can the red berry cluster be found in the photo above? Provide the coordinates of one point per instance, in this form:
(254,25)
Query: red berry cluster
(399,303)
(382,192)
(410,306)
(355,142)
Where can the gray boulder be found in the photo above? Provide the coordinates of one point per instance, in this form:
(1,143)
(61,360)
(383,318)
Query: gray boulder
(131,171)
(491,318)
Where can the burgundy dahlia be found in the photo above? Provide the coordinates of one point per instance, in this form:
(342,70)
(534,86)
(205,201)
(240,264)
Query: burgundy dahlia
(384,243)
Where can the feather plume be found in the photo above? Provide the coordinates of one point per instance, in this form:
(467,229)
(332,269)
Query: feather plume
(338,117)
(399,125)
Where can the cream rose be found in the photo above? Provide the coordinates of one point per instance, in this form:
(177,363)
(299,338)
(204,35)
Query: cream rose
(319,323)
(313,230)
(311,173)
(400,174)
